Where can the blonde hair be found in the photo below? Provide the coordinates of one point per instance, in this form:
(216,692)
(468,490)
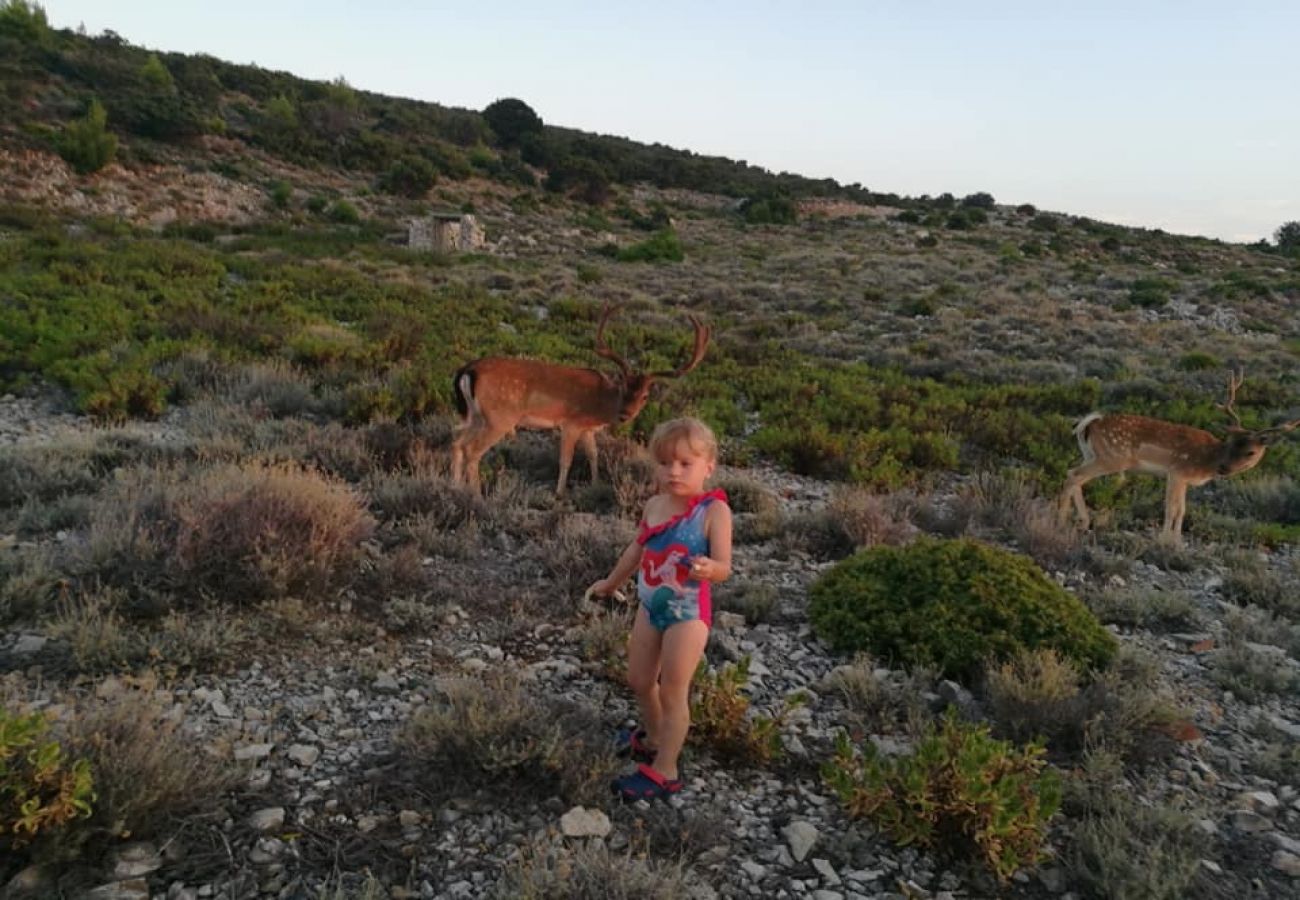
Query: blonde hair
(698,436)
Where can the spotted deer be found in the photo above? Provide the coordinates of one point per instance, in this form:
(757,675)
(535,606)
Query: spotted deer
(1186,456)
(497,394)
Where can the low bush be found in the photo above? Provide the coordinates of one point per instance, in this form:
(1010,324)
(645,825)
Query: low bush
(493,735)
(952,604)
(961,792)
(1125,848)
(1039,695)
(664,246)
(233,533)
(147,770)
(41,790)
(590,872)
(721,718)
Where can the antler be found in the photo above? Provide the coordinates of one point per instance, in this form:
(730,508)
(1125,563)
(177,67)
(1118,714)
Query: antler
(702,333)
(602,349)
(1280,429)
(1235,380)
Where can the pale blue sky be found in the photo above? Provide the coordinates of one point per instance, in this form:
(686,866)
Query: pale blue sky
(1174,115)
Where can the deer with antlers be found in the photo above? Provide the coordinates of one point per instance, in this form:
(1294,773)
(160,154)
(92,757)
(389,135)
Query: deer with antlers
(1186,456)
(498,394)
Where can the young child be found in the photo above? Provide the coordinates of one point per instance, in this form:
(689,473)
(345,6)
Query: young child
(683,546)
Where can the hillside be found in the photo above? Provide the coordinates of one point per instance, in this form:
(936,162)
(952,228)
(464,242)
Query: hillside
(235,576)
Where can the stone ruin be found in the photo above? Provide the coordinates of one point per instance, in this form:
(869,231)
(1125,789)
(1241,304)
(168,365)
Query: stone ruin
(446,233)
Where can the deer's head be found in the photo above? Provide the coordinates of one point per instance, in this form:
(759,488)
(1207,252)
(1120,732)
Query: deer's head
(635,386)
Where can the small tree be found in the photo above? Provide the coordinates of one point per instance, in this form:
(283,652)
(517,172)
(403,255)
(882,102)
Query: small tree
(512,120)
(24,21)
(156,74)
(87,144)
(410,176)
(1287,237)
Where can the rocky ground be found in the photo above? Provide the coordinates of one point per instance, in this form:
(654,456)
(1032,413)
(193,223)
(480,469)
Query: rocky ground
(324,800)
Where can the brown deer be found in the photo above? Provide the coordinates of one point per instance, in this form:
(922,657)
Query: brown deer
(1184,455)
(498,394)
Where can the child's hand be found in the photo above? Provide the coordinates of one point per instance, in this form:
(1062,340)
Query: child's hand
(703,568)
(602,588)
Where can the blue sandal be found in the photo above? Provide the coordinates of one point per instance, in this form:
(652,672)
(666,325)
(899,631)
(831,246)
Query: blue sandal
(630,742)
(645,784)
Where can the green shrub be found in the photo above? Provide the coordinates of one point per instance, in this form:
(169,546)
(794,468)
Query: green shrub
(281,193)
(87,145)
(27,22)
(410,176)
(952,605)
(1150,293)
(961,792)
(344,213)
(662,247)
(769,209)
(721,718)
(1198,361)
(39,791)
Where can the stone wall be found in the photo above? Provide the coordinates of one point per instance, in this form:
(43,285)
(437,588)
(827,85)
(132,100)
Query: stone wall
(443,234)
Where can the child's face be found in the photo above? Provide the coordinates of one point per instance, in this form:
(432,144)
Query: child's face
(683,470)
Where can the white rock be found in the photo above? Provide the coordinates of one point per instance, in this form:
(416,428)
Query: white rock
(1265,802)
(1287,863)
(826,871)
(801,836)
(253,751)
(136,860)
(304,755)
(582,822)
(269,819)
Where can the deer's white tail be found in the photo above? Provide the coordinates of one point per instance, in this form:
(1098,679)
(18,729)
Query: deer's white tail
(1080,433)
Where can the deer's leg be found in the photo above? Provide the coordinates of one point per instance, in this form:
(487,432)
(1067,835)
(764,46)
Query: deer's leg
(1175,507)
(589,448)
(477,440)
(1072,492)
(1075,479)
(458,453)
(568,440)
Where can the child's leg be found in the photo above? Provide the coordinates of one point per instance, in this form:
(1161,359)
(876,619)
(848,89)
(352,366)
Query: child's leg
(683,645)
(643,649)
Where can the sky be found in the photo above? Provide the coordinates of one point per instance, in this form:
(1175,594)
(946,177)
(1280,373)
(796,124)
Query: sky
(1174,115)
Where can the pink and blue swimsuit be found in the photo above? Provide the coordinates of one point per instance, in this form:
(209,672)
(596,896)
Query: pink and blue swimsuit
(663,584)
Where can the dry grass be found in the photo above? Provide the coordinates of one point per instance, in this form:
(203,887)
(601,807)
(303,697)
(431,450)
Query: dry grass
(1145,608)
(495,735)
(147,772)
(868,519)
(233,533)
(578,549)
(879,705)
(1008,501)
(757,601)
(852,519)
(1123,709)
(590,872)
(1124,848)
(757,510)
(1249,582)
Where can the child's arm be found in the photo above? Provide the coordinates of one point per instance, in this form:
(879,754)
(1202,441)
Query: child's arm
(717,565)
(622,571)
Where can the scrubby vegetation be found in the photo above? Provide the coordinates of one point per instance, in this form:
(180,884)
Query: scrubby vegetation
(952,604)
(960,791)
(258,536)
